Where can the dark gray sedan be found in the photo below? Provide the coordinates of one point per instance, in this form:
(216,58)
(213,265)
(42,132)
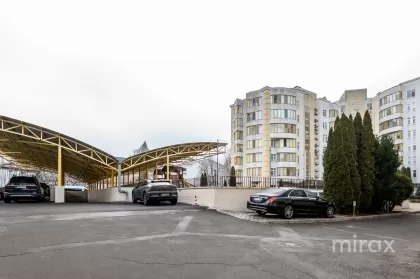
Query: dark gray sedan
(149,191)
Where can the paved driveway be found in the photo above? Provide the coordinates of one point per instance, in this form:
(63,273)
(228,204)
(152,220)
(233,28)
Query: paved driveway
(134,241)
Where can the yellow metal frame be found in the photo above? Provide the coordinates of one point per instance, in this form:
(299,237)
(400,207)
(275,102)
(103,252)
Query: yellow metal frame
(31,146)
(178,154)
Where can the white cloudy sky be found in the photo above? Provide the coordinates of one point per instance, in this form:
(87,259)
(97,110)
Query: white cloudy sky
(115,73)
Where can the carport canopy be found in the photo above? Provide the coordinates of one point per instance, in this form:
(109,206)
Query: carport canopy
(33,147)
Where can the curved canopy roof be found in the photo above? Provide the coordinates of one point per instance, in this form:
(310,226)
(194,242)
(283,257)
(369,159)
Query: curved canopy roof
(32,146)
(179,153)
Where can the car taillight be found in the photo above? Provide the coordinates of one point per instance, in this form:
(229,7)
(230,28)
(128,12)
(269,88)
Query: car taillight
(8,186)
(271,200)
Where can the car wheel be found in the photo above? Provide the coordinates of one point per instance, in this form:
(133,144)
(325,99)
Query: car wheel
(6,200)
(173,202)
(259,212)
(329,213)
(133,198)
(288,212)
(1,196)
(145,201)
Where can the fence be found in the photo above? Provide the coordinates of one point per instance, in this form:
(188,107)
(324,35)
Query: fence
(252,182)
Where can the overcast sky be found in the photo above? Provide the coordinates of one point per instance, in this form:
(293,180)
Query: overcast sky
(116,73)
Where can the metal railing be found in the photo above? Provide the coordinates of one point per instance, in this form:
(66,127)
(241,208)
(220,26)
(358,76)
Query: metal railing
(252,182)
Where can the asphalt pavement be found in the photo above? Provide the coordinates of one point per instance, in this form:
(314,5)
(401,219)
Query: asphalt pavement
(67,241)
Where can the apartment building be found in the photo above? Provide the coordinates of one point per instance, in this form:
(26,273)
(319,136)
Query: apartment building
(280,132)
(395,115)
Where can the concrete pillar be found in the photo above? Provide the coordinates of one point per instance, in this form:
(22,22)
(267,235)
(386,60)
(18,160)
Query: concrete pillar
(59,193)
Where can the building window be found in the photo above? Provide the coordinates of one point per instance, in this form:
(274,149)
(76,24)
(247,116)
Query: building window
(408,120)
(390,123)
(414,120)
(414,134)
(286,171)
(325,138)
(283,128)
(254,143)
(254,102)
(343,108)
(238,148)
(238,135)
(283,99)
(238,122)
(411,94)
(238,109)
(273,171)
(251,116)
(414,147)
(409,148)
(333,113)
(280,143)
(390,98)
(238,173)
(325,125)
(369,106)
(239,160)
(324,112)
(283,113)
(286,157)
(273,158)
(253,130)
(408,108)
(253,157)
(253,171)
(390,111)
(297,118)
(409,134)
(414,173)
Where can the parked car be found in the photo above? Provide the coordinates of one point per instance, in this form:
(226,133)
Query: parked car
(288,202)
(149,191)
(23,188)
(1,193)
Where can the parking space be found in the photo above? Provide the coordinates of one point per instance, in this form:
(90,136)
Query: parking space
(136,241)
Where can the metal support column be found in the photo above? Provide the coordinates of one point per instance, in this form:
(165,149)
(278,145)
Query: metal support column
(133,175)
(112,179)
(147,171)
(156,171)
(167,166)
(60,173)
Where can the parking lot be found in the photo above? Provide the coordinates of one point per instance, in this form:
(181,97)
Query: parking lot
(135,241)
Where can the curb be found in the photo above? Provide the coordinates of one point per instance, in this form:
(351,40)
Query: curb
(321,220)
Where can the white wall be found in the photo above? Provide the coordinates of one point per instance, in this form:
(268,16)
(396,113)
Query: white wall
(218,198)
(109,195)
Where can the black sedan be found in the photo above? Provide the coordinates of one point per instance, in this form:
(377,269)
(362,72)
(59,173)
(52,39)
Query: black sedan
(149,191)
(290,201)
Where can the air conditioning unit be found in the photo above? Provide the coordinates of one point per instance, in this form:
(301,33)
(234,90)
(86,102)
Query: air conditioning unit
(316,111)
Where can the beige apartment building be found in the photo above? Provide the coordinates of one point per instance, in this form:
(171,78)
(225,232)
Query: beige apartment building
(282,132)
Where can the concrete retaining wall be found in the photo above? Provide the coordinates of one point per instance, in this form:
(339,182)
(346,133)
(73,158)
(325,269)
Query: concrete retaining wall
(109,195)
(233,199)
